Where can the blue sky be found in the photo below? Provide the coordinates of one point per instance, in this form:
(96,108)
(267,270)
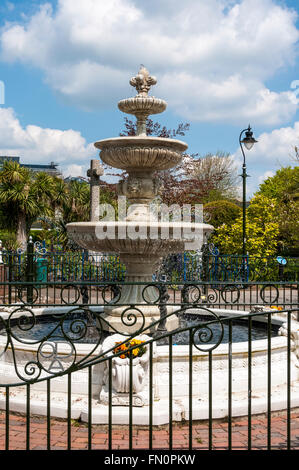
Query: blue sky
(220,65)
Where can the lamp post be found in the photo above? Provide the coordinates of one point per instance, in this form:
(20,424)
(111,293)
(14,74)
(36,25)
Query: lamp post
(248,141)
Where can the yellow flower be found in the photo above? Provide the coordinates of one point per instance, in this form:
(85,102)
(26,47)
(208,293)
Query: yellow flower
(127,346)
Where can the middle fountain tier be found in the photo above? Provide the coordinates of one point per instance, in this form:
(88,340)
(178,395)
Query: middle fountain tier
(141,239)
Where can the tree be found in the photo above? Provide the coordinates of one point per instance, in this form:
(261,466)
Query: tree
(73,199)
(24,196)
(283,187)
(154,129)
(221,212)
(219,173)
(262,230)
(181,185)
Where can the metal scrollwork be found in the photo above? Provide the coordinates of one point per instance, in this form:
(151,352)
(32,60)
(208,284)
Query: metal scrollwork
(192,294)
(151,294)
(230,293)
(212,297)
(204,337)
(56,350)
(68,288)
(132,316)
(23,320)
(270,288)
(39,249)
(111,292)
(53,359)
(22,293)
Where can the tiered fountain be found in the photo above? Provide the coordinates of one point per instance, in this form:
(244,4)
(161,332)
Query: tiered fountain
(140,239)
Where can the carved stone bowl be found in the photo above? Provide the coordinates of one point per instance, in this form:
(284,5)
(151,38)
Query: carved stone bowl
(142,238)
(141,153)
(142,105)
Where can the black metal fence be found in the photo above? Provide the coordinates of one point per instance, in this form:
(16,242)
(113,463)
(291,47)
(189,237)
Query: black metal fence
(206,266)
(33,363)
(220,348)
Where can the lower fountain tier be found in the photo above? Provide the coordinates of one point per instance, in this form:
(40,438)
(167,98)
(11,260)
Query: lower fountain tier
(137,307)
(138,237)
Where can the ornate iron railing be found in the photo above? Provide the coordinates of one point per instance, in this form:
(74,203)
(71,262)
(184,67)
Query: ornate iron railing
(79,315)
(209,266)
(237,296)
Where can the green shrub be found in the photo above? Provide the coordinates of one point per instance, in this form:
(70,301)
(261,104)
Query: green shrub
(221,212)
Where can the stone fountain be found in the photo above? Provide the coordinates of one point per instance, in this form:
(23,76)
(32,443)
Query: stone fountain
(140,239)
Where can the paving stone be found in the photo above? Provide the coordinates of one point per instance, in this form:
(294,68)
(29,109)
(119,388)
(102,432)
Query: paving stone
(200,435)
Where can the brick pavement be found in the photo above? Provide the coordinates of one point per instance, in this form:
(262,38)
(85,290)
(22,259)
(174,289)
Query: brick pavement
(120,439)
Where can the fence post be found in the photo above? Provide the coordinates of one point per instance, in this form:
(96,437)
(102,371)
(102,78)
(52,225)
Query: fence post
(30,270)
(2,275)
(83,288)
(164,297)
(205,270)
(10,267)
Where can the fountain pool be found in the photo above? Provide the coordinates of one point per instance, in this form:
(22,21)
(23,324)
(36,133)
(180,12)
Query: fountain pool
(224,358)
(48,325)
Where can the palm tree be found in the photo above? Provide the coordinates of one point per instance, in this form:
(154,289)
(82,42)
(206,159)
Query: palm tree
(71,204)
(24,196)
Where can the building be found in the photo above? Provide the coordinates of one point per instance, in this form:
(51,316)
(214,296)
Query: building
(81,179)
(50,169)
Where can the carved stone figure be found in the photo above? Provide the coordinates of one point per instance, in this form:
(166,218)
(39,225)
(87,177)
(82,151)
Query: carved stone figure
(121,375)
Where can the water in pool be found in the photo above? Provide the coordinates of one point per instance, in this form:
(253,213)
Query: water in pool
(76,329)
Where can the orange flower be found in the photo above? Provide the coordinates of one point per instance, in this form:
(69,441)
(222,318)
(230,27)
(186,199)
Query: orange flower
(126,348)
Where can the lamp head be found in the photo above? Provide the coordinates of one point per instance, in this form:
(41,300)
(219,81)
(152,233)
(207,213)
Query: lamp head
(249,140)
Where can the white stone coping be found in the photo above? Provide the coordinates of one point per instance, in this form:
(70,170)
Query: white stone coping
(128,141)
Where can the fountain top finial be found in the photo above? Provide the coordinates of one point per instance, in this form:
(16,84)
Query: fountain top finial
(142,105)
(143,81)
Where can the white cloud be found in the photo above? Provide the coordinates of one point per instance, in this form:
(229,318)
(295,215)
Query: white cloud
(274,150)
(266,175)
(34,144)
(212,58)
(75,170)
(233,99)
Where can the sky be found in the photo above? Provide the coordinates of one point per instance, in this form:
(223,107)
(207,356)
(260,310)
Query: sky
(220,65)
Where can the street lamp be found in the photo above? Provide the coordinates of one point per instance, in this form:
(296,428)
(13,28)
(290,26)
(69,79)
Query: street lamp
(248,141)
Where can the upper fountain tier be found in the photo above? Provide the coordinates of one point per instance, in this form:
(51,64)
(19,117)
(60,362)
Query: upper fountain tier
(142,104)
(141,152)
